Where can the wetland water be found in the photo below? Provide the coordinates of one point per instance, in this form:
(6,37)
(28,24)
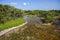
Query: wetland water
(38,20)
(32,20)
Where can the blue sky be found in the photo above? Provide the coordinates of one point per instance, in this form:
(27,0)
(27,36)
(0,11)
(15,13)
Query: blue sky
(33,4)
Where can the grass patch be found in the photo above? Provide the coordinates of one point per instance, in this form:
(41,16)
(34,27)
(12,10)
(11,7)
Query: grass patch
(11,23)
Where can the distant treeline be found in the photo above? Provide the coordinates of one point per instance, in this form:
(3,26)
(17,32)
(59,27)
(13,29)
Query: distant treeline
(47,14)
(10,13)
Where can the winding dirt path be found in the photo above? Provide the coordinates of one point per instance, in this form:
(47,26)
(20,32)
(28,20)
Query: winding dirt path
(11,29)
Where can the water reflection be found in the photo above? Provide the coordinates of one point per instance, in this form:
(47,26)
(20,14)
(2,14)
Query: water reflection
(57,23)
(38,20)
(32,20)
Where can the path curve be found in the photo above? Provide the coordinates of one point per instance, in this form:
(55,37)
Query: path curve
(10,29)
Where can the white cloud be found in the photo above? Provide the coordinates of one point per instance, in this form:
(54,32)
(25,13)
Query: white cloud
(13,3)
(24,4)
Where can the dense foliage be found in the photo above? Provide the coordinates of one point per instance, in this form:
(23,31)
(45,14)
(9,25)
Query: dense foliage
(10,17)
(9,13)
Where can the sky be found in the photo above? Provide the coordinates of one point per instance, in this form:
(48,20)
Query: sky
(33,4)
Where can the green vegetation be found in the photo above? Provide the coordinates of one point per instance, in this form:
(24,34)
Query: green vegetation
(9,16)
(11,23)
(48,15)
(8,13)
